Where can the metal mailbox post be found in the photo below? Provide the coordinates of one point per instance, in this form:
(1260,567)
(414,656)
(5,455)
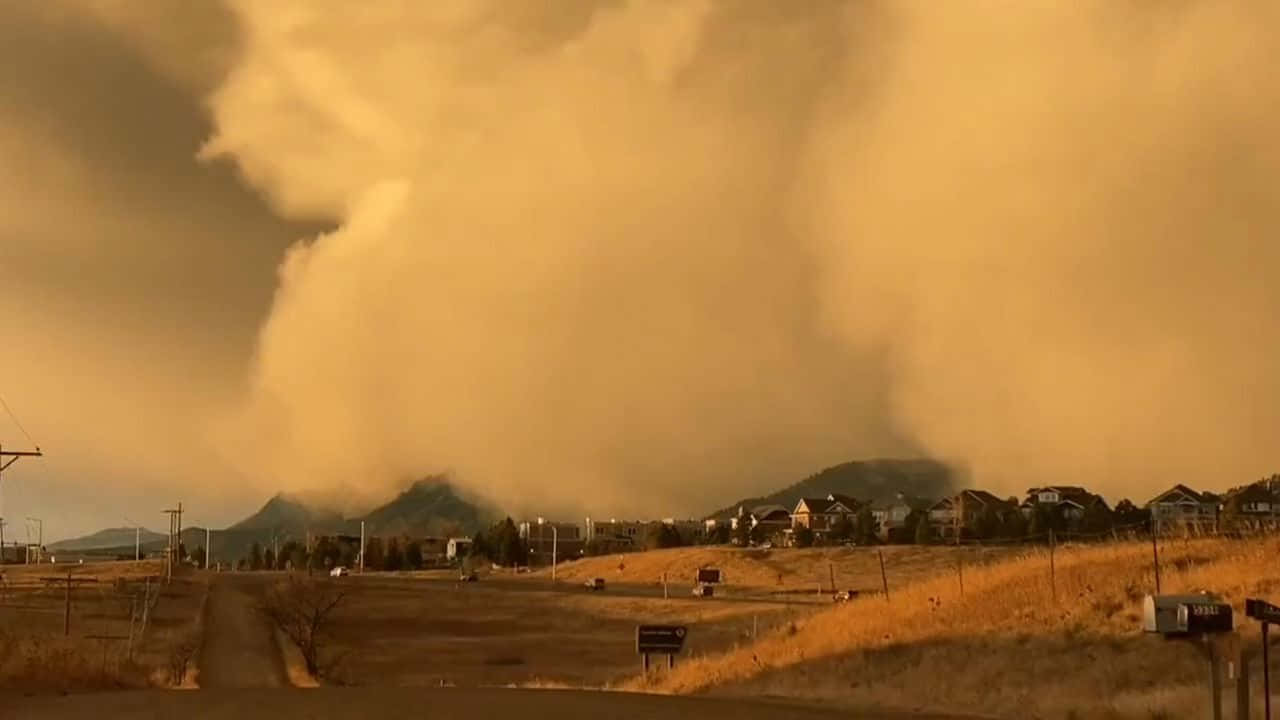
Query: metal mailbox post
(1189,616)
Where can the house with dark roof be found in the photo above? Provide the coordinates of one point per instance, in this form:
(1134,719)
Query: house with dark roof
(891,517)
(1068,504)
(1181,510)
(773,521)
(1252,507)
(960,513)
(822,514)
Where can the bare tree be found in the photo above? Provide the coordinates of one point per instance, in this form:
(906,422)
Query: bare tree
(302,609)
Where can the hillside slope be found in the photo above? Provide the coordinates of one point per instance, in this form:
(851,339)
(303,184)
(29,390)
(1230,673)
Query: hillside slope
(787,570)
(109,538)
(1010,643)
(873,480)
(428,507)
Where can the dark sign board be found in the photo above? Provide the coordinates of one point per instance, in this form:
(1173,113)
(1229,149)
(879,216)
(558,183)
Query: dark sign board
(1262,610)
(660,639)
(709,575)
(1205,617)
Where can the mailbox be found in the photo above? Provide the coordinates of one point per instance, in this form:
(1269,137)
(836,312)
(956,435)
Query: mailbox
(1186,614)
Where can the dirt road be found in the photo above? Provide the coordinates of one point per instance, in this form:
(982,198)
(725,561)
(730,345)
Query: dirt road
(239,648)
(448,704)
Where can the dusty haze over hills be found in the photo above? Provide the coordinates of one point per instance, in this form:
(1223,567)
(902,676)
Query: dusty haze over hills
(652,256)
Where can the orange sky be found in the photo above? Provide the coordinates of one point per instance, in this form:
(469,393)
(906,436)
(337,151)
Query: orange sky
(631,257)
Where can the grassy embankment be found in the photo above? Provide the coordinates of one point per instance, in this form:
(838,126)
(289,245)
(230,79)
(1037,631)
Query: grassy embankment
(1009,646)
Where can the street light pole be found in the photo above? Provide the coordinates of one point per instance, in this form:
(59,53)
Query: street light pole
(39,538)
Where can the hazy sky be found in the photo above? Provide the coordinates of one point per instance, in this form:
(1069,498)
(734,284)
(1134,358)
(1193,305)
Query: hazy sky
(631,257)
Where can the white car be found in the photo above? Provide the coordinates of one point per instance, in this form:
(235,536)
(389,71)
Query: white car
(338,572)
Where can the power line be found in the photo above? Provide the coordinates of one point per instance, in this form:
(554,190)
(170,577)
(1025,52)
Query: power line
(18,422)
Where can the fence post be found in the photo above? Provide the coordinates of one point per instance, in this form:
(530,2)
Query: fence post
(1053,573)
(884,579)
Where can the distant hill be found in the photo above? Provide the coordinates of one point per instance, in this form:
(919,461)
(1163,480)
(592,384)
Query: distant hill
(109,538)
(428,507)
(287,514)
(872,480)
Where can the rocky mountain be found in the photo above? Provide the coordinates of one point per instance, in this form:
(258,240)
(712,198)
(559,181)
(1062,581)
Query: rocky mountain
(109,538)
(870,480)
(428,507)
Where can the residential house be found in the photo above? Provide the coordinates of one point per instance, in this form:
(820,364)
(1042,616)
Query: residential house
(960,514)
(773,520)
(1068,505)
(1181,510)
(891,517)
(822,514)
(458,548)
(1252,507)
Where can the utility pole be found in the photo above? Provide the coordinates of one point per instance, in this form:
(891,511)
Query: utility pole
(70,583)
(208,545)
(13,456)
(361,547)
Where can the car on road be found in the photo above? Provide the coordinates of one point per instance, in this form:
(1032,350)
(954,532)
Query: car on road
(595,584)
(338,572)
(845,595)
(703,590)
(469,577)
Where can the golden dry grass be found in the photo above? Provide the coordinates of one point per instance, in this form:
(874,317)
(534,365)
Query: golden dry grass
(1005,647)
(784,570)
(35,655)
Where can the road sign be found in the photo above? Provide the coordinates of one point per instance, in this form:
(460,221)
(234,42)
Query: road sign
(1262,610)
(660,639)
(708,575)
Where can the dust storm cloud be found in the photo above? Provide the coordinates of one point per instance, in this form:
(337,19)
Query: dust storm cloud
(633,257)
(639,256)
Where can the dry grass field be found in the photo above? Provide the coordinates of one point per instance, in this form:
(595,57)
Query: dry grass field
(787,571)
(36,656)
(1009,646)
(500,631)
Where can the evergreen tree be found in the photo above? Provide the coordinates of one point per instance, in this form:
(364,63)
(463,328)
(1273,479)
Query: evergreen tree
(394,559)
(987,525)
(742,533)
(374,558)
(718,536)
(413,556)
(866,529)
(1014,526)
(842,529)
(803,537)
(268,560)
(924,532)
(198,556)
(255,556)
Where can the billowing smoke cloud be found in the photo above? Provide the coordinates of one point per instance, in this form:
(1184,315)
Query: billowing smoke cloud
(565,270)
(639,256)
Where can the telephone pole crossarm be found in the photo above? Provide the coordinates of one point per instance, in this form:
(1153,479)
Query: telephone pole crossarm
(14,456)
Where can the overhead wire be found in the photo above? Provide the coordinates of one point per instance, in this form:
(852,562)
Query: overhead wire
(18,422)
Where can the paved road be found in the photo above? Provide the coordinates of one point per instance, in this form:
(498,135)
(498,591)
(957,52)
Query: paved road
(239,648)
(418,703)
